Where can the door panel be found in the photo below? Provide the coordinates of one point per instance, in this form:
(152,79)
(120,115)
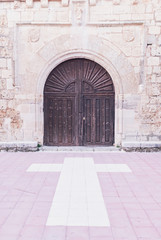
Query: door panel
(98,115)
(87,121)
(98,120)
(60,119)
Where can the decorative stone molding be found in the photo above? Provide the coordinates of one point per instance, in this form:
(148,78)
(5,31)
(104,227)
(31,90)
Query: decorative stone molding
(128,35)
(16,4)
(92,2)
(78,13)
(34,35)
(135,2)
(116,2)
(44,3)
(103,53)
(65,3)
(103,48)
(3,20)
(29,3)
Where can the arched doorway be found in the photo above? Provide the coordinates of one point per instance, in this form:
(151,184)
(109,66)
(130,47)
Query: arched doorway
(78,105)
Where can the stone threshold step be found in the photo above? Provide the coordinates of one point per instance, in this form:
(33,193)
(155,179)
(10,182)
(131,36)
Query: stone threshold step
(78,149)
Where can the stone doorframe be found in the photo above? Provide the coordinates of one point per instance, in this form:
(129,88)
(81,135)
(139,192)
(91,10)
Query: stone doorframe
(96,49)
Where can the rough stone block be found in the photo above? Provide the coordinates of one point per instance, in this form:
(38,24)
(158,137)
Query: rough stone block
(149,8)
(158,15)
(136,51)
(27,16)
(135,61)
(6,74)
(3,63)
(146,146)
(125,17)
(157,70)
(41,16)
(158,79)
(153,61)
(155,90)
(149,16)
(122,9)
(151,39)
(10,83)
(149,70)
(154,30)
(18,146)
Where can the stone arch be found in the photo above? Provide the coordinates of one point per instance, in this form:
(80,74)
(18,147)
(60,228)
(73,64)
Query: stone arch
(93,48)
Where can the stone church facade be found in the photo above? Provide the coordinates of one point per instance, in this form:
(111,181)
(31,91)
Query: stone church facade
(97,63)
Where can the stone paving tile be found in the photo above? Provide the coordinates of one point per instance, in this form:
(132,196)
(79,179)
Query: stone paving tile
(31,232)
(147,232)
(132,200)
(103,232)
(51,233)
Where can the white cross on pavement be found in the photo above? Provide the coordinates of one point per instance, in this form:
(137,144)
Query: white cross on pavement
(78,199)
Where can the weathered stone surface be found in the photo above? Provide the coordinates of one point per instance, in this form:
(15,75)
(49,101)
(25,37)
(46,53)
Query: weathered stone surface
(122,36)
(19,146)
(141,146)
(158,15)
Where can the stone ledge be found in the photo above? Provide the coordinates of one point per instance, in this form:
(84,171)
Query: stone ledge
(19,146)
(79,149)
(141,146)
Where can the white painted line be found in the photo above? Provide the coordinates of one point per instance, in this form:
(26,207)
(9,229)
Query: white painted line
(118,168)
(43,167)
(84,206)
(78,199)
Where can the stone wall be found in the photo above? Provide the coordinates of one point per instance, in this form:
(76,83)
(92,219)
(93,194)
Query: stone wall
(124,36)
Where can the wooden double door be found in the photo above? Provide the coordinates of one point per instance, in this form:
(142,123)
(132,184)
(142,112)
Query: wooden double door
(78,105)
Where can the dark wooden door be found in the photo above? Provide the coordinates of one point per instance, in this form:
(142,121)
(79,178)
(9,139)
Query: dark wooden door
(98,120)
(79,105)
(60,120)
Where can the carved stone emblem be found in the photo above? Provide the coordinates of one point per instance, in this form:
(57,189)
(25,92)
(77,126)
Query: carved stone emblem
(34,35)
(3,20)
(128,35)
(16,4)
(135,2)
(29,3)
(79,14)
(116,2)
(44,3)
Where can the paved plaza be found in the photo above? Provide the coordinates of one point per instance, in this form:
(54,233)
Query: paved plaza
(80,196)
